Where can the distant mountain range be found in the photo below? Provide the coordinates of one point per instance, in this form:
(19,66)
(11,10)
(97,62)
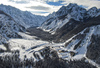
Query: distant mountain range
(13,20)
(24,18)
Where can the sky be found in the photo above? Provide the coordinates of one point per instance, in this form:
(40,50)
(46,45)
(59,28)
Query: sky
(45,7)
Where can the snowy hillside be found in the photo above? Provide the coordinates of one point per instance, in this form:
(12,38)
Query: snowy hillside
(24,18)
(36,50)
(8,28)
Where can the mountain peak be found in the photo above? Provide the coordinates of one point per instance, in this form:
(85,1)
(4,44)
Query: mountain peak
(72,5)
(72,9)
(66,13)
(93,12)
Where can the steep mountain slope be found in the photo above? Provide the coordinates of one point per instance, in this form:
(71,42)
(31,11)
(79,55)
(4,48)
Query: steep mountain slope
(68,19)
(8,27)
(84,44)
(63,15)
(68,31)
(24,18)
(68,13)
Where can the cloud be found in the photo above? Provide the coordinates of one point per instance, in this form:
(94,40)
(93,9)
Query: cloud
(39,7)
(87,3)
(58,3)
(20,1)
(44,7)
(40,13)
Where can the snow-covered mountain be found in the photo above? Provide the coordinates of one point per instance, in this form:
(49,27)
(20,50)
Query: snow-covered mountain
(76,39)
(93,12)
(79,29)
(9,28)
(66,13)
(24,18)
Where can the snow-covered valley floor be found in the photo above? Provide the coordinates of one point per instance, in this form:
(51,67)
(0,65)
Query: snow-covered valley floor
(29,45)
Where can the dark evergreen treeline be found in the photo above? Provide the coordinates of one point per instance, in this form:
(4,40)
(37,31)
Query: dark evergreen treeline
(13,61)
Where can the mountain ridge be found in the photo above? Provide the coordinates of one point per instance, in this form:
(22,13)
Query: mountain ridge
(9,28)
(25,18)
(72,11)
